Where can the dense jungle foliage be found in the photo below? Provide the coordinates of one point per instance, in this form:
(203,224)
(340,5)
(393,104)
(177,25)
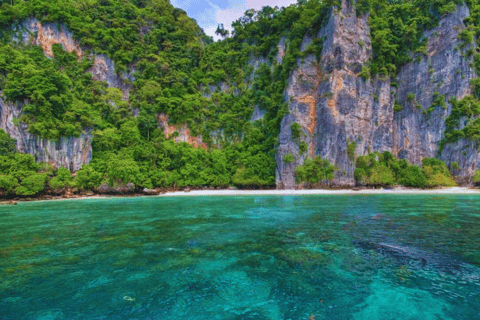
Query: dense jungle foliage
(397,29)
(175,69)
(384,169)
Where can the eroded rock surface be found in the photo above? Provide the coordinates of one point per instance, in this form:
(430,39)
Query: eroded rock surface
(444,72)
(70,153)
(183,131)
(45,35)
(336,107)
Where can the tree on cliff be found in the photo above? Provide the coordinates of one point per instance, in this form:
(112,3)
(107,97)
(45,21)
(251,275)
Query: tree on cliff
(221,31)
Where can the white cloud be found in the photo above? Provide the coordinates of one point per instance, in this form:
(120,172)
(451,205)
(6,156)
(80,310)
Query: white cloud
(252,4)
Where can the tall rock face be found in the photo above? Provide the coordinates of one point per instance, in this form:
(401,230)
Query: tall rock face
(343,115)
(69,152)
(441,75)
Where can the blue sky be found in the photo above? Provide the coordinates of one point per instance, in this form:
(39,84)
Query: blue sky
(210,13)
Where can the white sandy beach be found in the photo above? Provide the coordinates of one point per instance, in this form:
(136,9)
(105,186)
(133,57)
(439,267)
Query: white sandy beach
(454,190)
(198,193)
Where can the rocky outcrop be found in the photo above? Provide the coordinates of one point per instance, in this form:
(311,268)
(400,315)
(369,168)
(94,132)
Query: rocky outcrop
(45,35)
(70,153)
(183,133)
(103,69)
(257,114)
(336,108)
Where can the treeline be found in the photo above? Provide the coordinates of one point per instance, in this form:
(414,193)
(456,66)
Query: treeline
(381,170)
(384,169)
(160,164)
(167,164)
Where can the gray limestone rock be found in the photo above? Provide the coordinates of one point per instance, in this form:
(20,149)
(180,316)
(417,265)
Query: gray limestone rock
(69,152)
(335,107)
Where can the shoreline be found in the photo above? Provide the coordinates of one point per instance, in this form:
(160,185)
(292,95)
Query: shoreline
(399,191)
(229,192)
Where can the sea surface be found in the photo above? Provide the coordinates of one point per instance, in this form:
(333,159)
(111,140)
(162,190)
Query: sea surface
(246,257)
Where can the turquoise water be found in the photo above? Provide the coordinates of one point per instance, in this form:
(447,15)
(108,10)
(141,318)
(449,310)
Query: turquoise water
(273,257)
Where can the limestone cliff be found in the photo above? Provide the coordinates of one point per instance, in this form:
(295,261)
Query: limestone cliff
(69,152)
(336,107)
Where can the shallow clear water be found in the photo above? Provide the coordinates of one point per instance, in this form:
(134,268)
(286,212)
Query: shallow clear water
(272,257)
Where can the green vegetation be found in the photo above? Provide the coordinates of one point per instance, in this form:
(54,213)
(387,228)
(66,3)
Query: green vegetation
(62,180)
(397,29)
(476,177)
(454,166)
(296,130)
(8,145)
(351,148)
(438,101)
(397,107)
(384,169)
(175,66)
(365,73)
(315,171)
(466,111)
(303,147)
(288,158)
(179,71)
(52,111)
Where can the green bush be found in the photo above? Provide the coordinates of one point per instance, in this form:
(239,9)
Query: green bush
(288,158)
(436,173)
(62,180)
(455,165)
(361,176)
(314,171)
(8,183)
(18,165)
(303,147)
(8,145)
(381,175)
(397,28)
(32,185)
(351,148)
(296,130)
(123,171)
(412,176)
(87,178)
(476,177)
(365,73)
(377,169)
(397,107)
